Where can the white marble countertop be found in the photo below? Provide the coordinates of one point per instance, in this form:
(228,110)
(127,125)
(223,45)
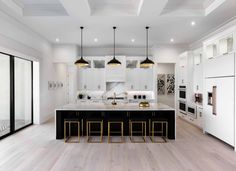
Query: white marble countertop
(118,107)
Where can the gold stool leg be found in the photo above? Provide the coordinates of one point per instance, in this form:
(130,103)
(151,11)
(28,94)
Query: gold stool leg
(101,131)
(145,127)
(87,131)
(153,131)
(122,131)
(108,132)
(69,129)
(82,127)
(78,131)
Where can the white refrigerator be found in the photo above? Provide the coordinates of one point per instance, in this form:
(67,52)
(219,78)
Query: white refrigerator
(219,99)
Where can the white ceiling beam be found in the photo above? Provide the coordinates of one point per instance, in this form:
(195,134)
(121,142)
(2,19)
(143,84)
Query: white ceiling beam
(214,5)
(12,5)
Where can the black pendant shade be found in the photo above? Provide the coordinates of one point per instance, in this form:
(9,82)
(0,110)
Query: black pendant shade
(81,62)
(147,62)
(114,61)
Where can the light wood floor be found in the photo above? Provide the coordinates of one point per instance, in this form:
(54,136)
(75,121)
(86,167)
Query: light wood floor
(35,148)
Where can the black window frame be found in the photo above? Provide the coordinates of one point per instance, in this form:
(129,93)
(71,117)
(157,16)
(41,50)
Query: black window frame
(12,96)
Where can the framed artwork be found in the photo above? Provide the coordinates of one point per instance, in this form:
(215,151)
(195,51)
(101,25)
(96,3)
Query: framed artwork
(170,83)
(161,84)
(50,85)
(54,85)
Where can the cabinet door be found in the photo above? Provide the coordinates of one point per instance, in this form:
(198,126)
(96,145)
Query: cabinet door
(81,78)
(99,80)
(182,75)
(220,66)
(132,79)
(219,108)
(146,79)
(198,78)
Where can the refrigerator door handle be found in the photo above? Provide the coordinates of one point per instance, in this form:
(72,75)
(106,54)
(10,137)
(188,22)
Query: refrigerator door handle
(214,94)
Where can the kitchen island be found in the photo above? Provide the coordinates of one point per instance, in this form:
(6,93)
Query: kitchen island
(107,111)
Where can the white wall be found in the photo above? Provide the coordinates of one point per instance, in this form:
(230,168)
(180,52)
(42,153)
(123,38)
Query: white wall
(167,53)
(19,40)
(166,68)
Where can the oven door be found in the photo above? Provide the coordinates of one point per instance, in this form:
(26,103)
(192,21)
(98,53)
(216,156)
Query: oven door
(182,94)
(182,107)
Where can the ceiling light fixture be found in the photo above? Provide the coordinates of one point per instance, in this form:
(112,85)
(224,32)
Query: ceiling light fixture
(81,62)
(147,62)
(95,39)
(193,23)
(172,40)
(114,61)
(57,40)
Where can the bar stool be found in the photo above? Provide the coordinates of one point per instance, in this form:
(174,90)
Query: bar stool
(70,122)
(90,122)
(137,121)
(161,122)
(115,122)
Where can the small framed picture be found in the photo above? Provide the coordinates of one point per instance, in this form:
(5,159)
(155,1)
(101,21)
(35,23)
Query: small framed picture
(50,85)
(54,85)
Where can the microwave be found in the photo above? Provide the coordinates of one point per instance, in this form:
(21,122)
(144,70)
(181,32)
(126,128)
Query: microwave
(192,112)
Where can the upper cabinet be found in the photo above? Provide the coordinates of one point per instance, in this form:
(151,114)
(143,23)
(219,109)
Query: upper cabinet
(211,50)
(226,45)
(220,45)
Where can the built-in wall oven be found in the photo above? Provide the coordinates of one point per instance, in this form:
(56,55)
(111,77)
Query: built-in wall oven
(182,92)
(182,107)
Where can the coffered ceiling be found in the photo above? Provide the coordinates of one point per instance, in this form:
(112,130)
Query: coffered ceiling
(168,19)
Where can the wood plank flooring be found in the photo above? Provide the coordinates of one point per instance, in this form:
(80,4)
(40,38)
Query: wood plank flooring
(35,148)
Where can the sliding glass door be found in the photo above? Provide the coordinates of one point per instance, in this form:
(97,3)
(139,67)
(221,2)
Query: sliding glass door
(16,94)
(4,95)
(23,93)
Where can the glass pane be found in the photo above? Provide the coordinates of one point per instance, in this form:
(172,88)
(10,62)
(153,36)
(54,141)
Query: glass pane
(4,94)
(23,93)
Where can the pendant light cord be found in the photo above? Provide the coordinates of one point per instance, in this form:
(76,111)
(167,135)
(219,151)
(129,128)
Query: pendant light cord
(114,50)
(81,44)
(147,41)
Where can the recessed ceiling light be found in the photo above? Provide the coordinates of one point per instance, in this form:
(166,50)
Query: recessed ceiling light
(57,40)
(193,23)
(132,40)
(172,40)
(95,39)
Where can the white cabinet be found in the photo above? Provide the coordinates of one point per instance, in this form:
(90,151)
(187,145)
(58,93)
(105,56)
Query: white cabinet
(200,117)
(91,79)
(132,80)
(211,50)
(146,79)
(226,45)
(198,78)
(219,108)
(220,66)
(183,69)
(139,79)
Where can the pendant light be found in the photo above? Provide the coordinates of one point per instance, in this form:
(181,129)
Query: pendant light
(81,62)
(114,61)
(147,62)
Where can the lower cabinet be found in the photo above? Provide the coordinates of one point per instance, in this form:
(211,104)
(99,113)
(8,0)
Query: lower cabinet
(196,119)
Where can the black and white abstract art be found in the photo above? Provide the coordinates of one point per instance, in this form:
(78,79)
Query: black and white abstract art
(161,78)
(170,83)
